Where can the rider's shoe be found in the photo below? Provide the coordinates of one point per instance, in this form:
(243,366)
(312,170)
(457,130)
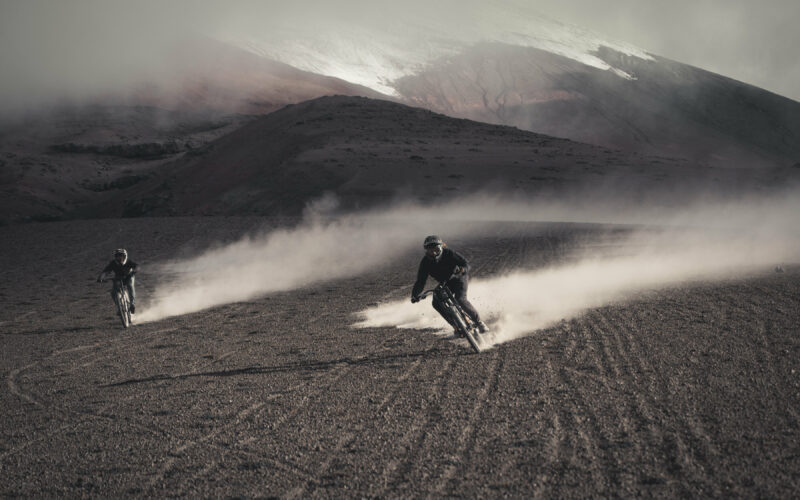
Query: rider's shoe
(133,308)
(482,327)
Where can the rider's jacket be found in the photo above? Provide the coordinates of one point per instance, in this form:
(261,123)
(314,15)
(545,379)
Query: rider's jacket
(440,269)
(120,270)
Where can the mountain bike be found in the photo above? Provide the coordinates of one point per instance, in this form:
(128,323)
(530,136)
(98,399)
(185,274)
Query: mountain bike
(463,324)
(122,300)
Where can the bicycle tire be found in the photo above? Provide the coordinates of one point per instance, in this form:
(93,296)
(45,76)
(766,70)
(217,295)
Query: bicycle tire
(119,298)
(465,329)
(128,308)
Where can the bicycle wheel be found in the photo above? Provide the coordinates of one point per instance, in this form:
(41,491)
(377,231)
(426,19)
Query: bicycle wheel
(466,329)
(122,307)
(128,308)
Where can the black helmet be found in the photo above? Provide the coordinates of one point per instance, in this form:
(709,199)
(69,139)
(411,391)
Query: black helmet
(432,241)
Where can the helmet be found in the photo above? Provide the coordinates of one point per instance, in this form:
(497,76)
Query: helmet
(432,241)
(123,252)
(433,247)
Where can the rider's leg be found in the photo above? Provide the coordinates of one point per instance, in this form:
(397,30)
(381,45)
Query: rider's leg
(113,293)
(442,310)
(459,289)
(130,281)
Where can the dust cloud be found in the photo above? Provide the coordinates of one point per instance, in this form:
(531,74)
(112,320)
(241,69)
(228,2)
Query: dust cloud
(698,242)
(321,248)
(671,246)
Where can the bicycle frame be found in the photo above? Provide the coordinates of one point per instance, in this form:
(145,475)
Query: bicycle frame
(458,318)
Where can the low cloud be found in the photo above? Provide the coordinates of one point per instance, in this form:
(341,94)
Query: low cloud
(80,49)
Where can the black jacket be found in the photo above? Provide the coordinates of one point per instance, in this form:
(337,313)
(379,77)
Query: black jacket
(440,270)
(120,270)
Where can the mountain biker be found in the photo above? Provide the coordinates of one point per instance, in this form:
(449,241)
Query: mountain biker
(442,263)
(123,269)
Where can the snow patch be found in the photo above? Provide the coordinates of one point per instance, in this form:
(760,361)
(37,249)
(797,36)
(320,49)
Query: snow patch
(375,57)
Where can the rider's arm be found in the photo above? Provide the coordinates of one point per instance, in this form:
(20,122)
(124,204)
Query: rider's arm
(461,261)
(422,277)
(105,271)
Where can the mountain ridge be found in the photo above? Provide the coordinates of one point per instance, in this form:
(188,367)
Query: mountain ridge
(368,152)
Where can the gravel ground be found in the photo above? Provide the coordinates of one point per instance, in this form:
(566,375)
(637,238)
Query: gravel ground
(690,391)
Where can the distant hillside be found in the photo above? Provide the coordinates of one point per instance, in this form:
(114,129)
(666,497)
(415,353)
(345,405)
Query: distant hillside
(666,108)
(369,152)
(507,64)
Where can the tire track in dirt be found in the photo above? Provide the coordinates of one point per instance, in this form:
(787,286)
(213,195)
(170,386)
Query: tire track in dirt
(349,437)
(176,453)
(120,345)
(764,329)
(640,421)
(578,416)
(65,413)
(684,457)
(571,345)
(467,438)
(630,417)
(14,388)
(557,437)
(249,412)
(545,415)
(299,491)
(118,340)
(412,438)
(637,417)
(253,410)
(309,478)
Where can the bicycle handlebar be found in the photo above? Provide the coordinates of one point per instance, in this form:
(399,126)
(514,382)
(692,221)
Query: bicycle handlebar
(115,278)
(441,284)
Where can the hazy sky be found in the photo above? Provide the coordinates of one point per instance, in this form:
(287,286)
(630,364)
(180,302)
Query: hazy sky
(81,47)
(749,40)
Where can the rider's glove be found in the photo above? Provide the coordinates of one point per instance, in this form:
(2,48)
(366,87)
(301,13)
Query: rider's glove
(458,270)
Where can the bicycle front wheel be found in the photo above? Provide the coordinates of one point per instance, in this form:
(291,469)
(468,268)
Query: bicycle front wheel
(466,329)
(123,308)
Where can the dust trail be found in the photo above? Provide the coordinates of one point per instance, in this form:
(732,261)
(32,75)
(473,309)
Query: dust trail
(321,248)
(327,246)
(711,242)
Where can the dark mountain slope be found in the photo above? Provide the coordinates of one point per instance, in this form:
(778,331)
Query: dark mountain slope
(368,152)
(54,161)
